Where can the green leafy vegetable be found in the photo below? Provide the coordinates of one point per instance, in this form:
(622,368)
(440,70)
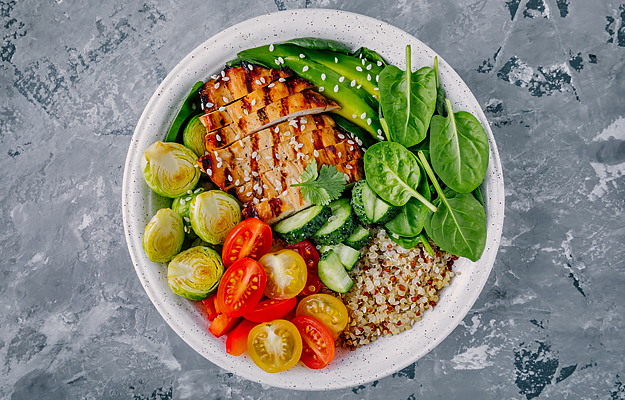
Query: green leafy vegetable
(408,101)
(370,55)
(440,92)
(393,173)
(459,224)
(319,44)
(189,108)
(458,150)
(321,187)
(410,220)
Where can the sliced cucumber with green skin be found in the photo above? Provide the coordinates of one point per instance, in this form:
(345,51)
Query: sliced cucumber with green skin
(384,212)
(355,103)
(302,225)
(339,226)
(348,255)
(360,238)
(363,201)
(332,273)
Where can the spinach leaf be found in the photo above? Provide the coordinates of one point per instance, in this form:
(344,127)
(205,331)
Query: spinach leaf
(319,44)
(410,220)
(190,107)
(408,101)
(477,193)
(458,150)
(459,224)
(355,130)
(405,242)
(440,93)
(370,55)
(393,173)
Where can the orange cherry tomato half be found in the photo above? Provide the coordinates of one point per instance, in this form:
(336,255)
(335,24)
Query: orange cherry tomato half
(286,274)
(236,341)
(268,310)
(327,309)
(317,342)
(275,346)
(311,257)
(251,238)
(241,287)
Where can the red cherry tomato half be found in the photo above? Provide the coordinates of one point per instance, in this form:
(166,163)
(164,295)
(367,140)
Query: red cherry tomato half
(251,238)
(241,287)
(268,310)
(236,341)
(311,256)
(318,343)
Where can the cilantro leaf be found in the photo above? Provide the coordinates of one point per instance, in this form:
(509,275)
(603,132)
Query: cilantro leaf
(321,187)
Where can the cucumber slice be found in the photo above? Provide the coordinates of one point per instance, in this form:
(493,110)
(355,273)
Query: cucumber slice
(333,274)
(349,256)
(339,226)
(363,202)
(384,212)
(302,225)
(360,238)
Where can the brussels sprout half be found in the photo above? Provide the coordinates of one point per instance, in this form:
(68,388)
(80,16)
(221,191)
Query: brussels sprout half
(194,136)
(213,214)
(170,169)
(195,273)
(163,236)
(182,204)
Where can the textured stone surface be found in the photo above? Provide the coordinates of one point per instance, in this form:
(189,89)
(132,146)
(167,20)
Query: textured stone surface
(74,78)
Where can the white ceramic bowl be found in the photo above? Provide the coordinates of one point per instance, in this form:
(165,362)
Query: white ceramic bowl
(349,368)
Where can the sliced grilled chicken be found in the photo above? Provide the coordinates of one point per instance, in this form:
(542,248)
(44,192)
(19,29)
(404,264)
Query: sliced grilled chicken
(253,102)
(236,82)
(291,201)
(303,103)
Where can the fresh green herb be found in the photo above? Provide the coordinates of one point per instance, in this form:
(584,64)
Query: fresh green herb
(323,186)
(393,173)
(459,224)
(408,101)
(458,150)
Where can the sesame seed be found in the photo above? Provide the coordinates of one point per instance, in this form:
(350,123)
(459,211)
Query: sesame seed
(368,121)
(369,77)
(369,67)
(209,104)
(255,201)
(189,191)
(305,68)
(263,199)
(253,102)
(219,165)
(379,131)
(217,85)
(271,47)
(218,139)
(209,172)
(303,120)
(271,85)
(380,137)
(198,190)
(379,63)
(351,148)
(247,179)
(225,79)
(257,82)
(359,68)
(363,115)
(245,112)
(358,87)
(241,189)
(341,79)
(353,83)
(336,60)
(222,108)
(350,142)
(223,73)
(321,89)
(182,202)
(316,153)
(341,136)
(339,154)
(377,78)
(254,154)
(248,194)
(375,88)
(302,56)
(354,116)
(256,186)
(215,76)
(265,187)
(346,177)
(237,137)
(277,61)
(277,130)
(323,77)
(262,79)
(281,80)
(363,61)
(268,158)
(281,60)
(348,166)
(237,182)
(230,178)
(250,66)
(254,173)
(336,88)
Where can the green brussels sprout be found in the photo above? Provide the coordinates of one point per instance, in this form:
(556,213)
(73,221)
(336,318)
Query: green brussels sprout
(170,169)
(213,214)
(181,204)
(163,236)
(195,273)
(194,136)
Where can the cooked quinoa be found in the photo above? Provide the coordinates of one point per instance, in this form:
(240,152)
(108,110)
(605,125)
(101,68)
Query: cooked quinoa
(393,287)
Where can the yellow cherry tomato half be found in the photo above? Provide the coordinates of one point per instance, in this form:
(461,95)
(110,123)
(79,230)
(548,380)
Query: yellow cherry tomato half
(286,274)
(327,309)
(275,346)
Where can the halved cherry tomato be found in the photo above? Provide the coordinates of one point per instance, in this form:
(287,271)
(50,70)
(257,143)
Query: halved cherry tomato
(327,309)
(286,274)
(223,324)
(241,287)
(275,346)
(251,238)
(311,257)
(236,341)
(317,341)
(209,304)
(268,310)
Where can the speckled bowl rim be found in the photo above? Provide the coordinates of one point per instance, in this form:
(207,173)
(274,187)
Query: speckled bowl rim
(139,204)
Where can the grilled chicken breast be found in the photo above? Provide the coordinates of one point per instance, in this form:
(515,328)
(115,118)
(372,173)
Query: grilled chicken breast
(303,103)
(237,82)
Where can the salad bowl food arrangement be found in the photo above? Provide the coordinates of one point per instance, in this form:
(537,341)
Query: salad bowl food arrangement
(433,195)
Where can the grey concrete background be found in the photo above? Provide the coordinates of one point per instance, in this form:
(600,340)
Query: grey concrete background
(75,76)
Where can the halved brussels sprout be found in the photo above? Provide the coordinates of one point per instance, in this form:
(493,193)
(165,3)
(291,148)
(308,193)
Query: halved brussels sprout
(195,273)
(194,136)
(213,214)
(170,169)
(163,236)
(182,204)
